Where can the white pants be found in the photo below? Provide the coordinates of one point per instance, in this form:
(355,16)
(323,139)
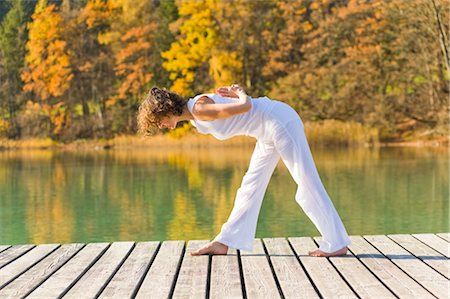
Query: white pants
(287,141)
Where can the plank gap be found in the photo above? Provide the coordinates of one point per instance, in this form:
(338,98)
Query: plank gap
(115,271)
(53,272)
(29,267)
(304,269)
(337,270)
(208,277)
(84,271)
(19,255)
(5,248)
(430,246)
(272,269)
(374,274)
(177,272)
(444,236)
(141,280)
(396,265)
(418,257)
(241,274)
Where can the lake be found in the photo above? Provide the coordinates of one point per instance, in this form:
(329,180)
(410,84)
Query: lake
(181,194)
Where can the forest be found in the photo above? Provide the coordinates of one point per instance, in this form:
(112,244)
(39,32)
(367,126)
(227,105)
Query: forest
(78,69)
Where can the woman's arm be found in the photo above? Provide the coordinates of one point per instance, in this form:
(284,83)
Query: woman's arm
(206,109)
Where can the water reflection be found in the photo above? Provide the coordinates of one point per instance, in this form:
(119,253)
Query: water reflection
(143,194)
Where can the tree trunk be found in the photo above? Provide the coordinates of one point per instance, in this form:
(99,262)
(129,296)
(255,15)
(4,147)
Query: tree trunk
(443,39)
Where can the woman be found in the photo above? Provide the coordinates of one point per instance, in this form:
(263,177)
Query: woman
(279,133)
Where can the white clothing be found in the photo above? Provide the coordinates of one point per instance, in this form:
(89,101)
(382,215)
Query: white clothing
(280,134)
(252,123)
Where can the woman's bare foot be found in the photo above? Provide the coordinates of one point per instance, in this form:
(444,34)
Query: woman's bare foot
(214,247)
(342,251)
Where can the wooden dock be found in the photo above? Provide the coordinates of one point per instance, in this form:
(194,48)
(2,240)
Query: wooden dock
(377,266)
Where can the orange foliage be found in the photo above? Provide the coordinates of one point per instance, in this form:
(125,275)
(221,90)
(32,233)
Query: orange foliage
(133,62)
(48,70)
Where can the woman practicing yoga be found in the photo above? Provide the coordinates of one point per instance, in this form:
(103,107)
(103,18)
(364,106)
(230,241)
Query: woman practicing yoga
(279,132)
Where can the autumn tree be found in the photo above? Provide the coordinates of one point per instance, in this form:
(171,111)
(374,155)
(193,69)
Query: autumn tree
(130,37)
(79,68)
(371,62)
(188,57)
(419,85)
(48,72)
(93,74)
(247,33)
(294,25)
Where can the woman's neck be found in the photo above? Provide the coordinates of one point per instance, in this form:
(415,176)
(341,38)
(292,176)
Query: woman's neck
(186,115)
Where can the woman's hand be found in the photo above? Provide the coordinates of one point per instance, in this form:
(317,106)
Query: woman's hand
(226,92)
(233,91)
(237,89)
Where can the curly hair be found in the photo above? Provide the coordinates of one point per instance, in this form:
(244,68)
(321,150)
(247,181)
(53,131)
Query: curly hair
(157,104)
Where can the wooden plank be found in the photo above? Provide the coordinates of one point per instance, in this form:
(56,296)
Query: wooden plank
(69,273)
(92,282)
(427,277)
(435,242)
(362,281)
(13,252)
(258,277)
(428,255)
(26,282)
(395,279)
(290,275)
(125,281)
(24,262)
(325,277)
(445,236)
(415,266)
(225,276)
(159,279)
(193,276)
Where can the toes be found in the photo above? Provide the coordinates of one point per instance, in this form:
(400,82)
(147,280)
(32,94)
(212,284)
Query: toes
(317,253)
(200,251)
(196,252)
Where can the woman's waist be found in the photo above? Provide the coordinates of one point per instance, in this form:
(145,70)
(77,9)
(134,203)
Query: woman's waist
(280,113)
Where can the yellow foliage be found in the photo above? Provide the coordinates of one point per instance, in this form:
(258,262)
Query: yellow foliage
(307,26)
(198,35)
(181,131)
(57,115)
(96,11)
(4,127)
(225,67)
(180,86)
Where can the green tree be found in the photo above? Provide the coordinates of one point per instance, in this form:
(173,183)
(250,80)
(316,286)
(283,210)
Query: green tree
(13,35)
(164,37)
(5,6)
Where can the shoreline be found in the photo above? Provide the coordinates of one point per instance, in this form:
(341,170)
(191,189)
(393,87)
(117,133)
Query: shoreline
(189,141)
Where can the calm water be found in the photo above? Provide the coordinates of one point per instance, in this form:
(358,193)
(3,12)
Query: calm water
(117,195)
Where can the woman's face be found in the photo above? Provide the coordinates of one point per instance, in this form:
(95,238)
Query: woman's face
(168,122)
